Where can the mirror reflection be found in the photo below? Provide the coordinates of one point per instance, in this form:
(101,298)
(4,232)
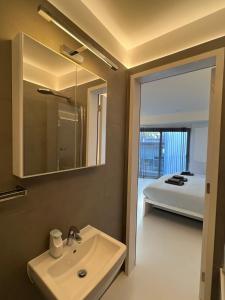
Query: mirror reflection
(64,113)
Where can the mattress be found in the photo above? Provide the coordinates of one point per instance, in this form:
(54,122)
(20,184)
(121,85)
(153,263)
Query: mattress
(187,198)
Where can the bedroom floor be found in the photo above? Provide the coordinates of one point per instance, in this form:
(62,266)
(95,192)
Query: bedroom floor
(168,259)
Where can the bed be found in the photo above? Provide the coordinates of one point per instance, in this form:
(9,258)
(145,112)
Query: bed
(187,200)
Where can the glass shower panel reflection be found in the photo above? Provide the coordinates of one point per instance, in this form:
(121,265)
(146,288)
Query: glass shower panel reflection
(50,129)
(71,121)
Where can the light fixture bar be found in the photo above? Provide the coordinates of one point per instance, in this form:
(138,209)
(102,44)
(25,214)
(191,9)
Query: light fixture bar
(48,17)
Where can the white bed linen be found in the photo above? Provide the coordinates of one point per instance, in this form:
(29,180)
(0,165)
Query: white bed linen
(189,197)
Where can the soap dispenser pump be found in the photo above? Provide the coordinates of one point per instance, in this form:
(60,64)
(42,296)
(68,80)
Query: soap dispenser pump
(56,243)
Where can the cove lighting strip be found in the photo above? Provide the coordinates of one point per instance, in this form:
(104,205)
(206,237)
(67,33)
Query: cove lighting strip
(48,17)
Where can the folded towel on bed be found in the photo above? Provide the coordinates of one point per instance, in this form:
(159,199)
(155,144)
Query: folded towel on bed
(187,173)
(182,178)
(174,181)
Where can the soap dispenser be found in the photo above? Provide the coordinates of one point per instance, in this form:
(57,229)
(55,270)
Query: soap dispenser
(56,243)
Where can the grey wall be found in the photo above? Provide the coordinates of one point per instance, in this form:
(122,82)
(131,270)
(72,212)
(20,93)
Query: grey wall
(91,196)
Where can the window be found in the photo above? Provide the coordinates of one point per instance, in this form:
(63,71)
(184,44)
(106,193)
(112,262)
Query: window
(163,151)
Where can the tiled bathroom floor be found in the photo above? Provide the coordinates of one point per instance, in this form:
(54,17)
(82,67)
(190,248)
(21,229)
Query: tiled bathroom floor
(168,261)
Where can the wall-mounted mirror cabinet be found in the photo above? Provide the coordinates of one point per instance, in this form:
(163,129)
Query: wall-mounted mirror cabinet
(59,112)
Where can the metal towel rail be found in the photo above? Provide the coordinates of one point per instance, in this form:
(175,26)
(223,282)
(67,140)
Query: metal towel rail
(18,191)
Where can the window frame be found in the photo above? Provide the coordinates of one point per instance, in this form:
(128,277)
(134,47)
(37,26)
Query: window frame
(169,129)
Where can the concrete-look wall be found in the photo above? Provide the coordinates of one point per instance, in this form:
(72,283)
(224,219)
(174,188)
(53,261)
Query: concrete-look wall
(90,196)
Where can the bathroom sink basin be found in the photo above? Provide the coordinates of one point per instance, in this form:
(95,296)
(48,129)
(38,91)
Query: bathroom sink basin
(84,271)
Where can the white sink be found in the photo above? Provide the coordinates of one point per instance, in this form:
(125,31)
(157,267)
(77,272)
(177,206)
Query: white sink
(98,254)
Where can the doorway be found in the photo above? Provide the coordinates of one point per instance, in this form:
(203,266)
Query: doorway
(212,59)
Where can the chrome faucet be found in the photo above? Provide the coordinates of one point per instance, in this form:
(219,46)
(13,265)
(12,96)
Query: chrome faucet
(73,235)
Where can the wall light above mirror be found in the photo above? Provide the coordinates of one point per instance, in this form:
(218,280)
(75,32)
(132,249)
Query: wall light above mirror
(59,111)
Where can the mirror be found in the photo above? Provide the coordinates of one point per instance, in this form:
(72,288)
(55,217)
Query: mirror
(59,112)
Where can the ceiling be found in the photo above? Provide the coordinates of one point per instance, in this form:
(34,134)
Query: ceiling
(134,23)
(186,93)
(132,30)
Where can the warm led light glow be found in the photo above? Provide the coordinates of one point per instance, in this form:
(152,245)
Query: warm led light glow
(134,23)
(136,32)
(87,45)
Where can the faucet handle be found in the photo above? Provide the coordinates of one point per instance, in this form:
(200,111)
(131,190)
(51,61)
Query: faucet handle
(73,230)
(73,234)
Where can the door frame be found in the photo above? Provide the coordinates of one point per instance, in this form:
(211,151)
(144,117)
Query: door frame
(211,198)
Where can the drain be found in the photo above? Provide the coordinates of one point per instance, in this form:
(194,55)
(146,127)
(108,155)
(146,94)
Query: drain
(82,273)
